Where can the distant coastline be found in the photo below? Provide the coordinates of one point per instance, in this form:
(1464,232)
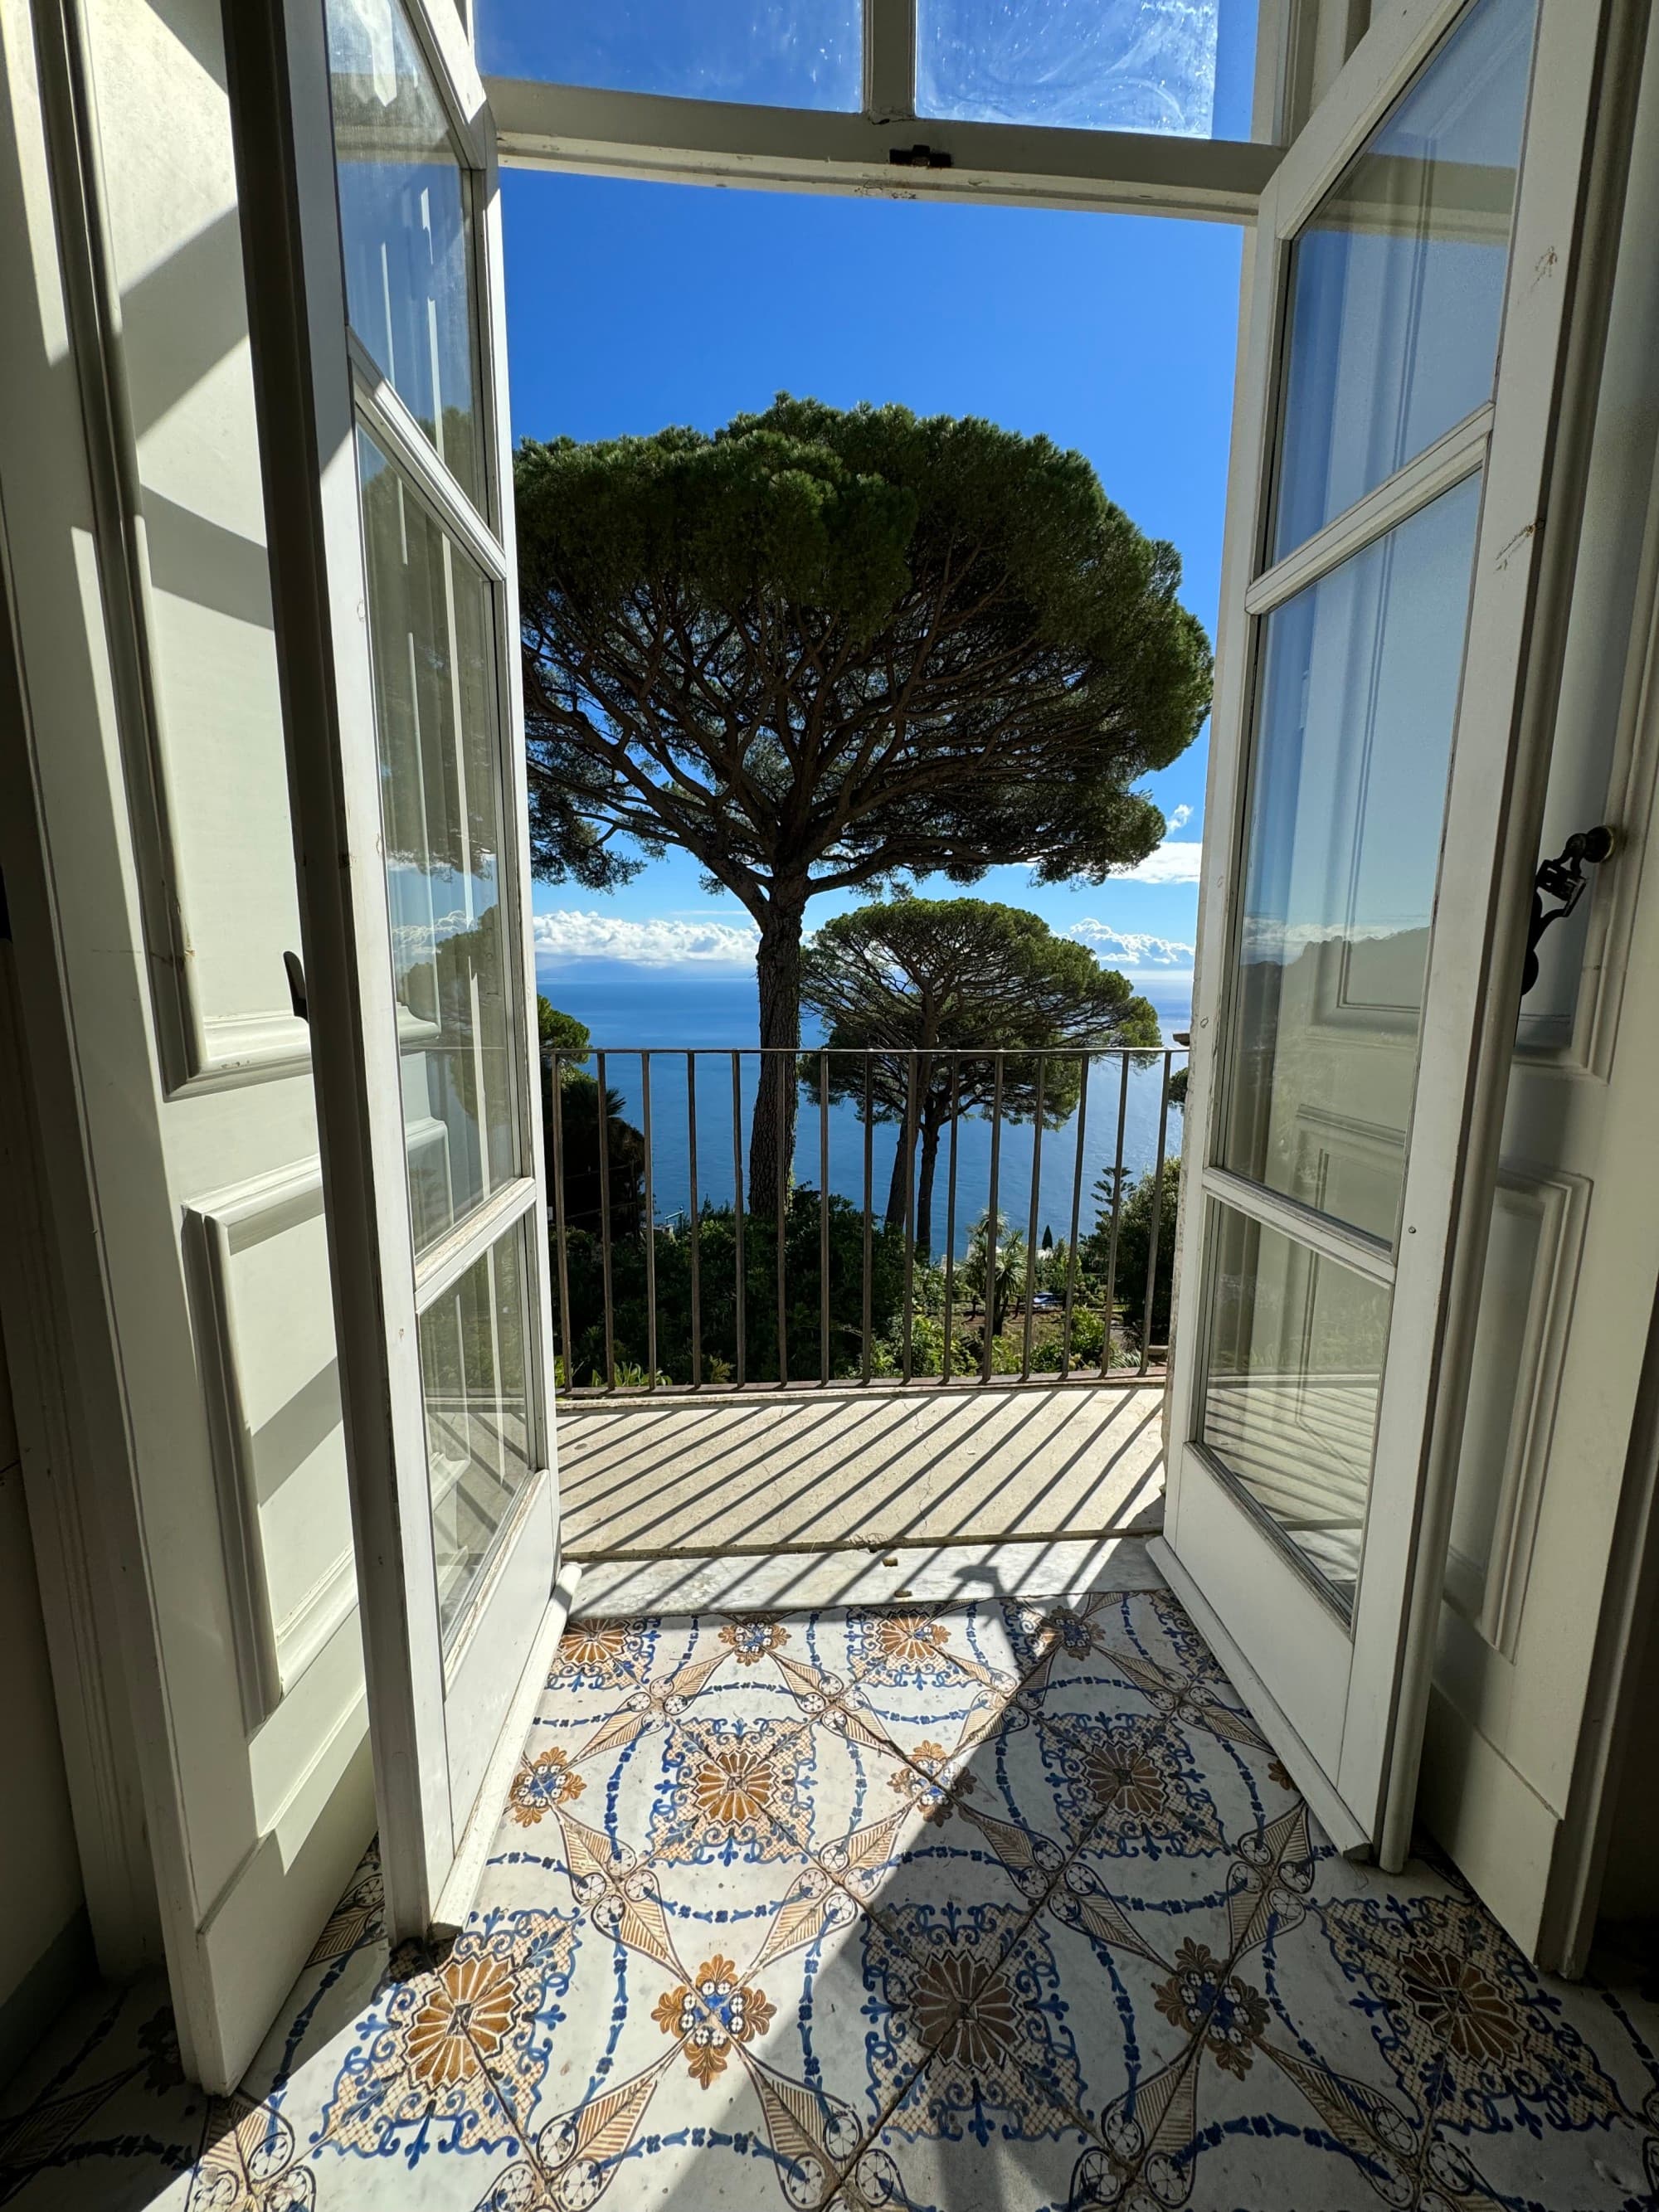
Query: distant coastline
(625,1002)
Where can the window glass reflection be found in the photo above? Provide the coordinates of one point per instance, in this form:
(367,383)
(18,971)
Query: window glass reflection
(432,638)
(1359,694)
(783,53)
(1397,280)
(405,223)
(1293,1371)
(479,1446)
(1180,67)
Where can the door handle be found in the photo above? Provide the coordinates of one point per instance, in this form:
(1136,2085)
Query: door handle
(1563,879)
(296,985)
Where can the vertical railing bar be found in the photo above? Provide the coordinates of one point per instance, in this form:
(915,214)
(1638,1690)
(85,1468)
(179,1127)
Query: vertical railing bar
(556,1075)
(605,1235)
(1157,1211)
(697,1229)
(650,1228)
(823,1215)
(869,1141)
(905,1324)
(741,1317)
(1117,1209)
(1031,1222)
(950,1215)
(991,1238)
(1076,1214)
(786,1072)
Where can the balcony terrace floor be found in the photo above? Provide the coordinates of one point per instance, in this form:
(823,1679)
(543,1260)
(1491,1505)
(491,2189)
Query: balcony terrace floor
(767,1472)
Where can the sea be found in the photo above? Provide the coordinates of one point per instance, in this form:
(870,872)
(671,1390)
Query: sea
(632,1010)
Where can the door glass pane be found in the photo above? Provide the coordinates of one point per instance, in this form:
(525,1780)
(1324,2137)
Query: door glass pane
(1180,67)
(433,640)
(782,53)
(1397,282)
(1358,694)
(1294,1370)
(478,1438)
(405,225)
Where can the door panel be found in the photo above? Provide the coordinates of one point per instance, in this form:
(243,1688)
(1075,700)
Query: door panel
(408,230)
(480,1424)
(1573,1263)
(433,640)
(1375,663)
(1358,697)
(258,1255)
(184,1194)
(1292,1372)
(1396,282)
(369,153)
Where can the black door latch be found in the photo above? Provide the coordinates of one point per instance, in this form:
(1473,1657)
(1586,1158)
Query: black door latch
(297,986)
(1562,879)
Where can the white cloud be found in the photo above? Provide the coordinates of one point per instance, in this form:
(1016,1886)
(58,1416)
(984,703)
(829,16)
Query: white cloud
(1265,938)
(1134,951)
(1177,861)
(577,934)
(1180,817)
(414,940)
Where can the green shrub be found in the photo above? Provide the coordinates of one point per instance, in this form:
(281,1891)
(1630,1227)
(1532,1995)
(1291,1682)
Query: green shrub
(714,1237)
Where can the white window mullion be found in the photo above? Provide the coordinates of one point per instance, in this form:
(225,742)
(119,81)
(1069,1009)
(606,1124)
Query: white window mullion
(889,59)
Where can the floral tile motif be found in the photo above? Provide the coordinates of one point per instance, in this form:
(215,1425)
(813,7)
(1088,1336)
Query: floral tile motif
(445,2043)
(981,1988)
(1126,1640)
(731,1789)
(1460,2018)
(1130,1784)
(971,2134)
(741,2044)
(996,1905)
(599,1657)
(927,1670)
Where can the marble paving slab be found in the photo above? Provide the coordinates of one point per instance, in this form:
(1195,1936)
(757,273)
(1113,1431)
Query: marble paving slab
(764,1472)
(920,1574)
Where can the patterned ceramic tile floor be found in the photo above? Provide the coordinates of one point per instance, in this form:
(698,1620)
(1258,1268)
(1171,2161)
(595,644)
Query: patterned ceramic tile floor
(995,1906)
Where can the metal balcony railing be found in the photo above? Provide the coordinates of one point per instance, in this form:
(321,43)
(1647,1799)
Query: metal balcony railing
(672,1276)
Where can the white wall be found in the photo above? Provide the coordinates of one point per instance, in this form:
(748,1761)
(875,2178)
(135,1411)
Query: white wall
(44,1947)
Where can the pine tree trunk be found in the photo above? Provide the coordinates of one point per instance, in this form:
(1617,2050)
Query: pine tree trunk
(895,1182)
(777,971)
(932,1127)
(904,1158)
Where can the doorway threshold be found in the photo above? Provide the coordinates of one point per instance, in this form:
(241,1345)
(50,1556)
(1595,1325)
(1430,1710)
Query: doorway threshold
(931,1574)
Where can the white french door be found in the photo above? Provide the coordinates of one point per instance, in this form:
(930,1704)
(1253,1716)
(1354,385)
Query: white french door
(408,767)
(1390,540)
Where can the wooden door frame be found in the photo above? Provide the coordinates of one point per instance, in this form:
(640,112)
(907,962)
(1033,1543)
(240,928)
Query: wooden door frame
(48,1306)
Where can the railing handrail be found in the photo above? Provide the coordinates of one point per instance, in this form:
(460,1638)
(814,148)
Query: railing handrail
(1000,1296)
(874,1051)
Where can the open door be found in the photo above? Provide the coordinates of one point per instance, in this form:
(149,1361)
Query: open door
(1398,521)
(369,196)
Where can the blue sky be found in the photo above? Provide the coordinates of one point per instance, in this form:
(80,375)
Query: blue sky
(638,305)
